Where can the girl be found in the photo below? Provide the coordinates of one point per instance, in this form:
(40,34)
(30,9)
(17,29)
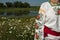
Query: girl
(48,21)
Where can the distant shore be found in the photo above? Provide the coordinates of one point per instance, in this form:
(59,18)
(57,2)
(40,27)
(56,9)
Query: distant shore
(17,9)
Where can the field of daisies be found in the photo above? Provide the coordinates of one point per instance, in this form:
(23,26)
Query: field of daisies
(12,28)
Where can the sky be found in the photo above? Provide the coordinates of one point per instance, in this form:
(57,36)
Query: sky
(32,2)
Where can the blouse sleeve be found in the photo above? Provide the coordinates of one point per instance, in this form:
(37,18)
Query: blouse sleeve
(41,21)
(41,14)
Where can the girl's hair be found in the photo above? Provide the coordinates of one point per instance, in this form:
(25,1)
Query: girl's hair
(59,1)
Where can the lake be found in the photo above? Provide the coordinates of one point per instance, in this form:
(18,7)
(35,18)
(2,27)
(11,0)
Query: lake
(19,13)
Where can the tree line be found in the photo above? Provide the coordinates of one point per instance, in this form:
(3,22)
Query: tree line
(17,4)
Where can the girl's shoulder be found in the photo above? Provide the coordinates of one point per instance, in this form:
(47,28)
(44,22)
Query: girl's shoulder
(45,3)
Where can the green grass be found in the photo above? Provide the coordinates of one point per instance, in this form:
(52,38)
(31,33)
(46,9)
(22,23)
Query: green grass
(17,9)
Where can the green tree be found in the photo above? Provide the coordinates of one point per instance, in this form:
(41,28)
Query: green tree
(18,4)
(2,5)
(9,4)
(26,5)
